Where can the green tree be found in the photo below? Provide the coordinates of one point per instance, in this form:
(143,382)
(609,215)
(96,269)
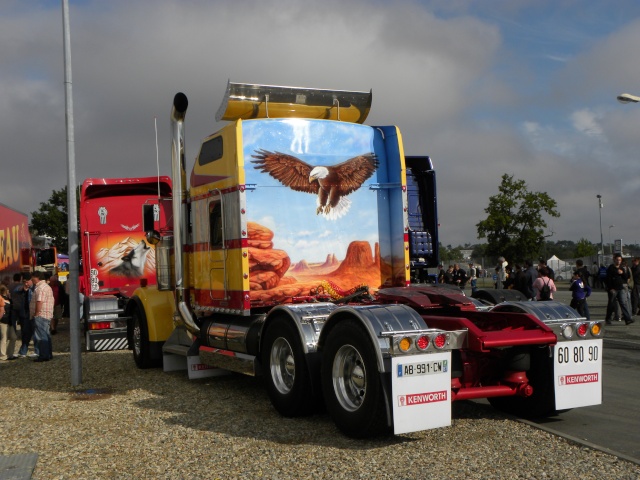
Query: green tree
(449,254)
(585,248)
(52,219)
(479,251)
(514,227)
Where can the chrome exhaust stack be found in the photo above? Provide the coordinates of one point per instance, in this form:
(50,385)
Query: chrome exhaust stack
(183,314)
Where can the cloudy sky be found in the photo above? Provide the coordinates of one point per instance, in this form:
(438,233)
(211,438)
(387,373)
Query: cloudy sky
(485,88)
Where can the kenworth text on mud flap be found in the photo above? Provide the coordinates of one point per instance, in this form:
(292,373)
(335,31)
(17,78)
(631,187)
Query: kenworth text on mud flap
(290,257)
(114,215)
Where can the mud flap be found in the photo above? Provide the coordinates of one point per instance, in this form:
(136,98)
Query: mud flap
(192,364)
(421,392)
(189,361)
(104,340)
(577,373)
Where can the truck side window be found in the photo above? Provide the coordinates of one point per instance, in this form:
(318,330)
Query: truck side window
(215,224)
(147,218)
(210,151)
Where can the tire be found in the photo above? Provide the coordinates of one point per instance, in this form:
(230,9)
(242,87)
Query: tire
(139,341)
(285,370)
(542,402)
(351,384)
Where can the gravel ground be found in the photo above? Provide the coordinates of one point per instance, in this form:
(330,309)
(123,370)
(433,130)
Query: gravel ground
(150,424)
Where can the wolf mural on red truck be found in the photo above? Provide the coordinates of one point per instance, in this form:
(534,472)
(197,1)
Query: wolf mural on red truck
(114,215)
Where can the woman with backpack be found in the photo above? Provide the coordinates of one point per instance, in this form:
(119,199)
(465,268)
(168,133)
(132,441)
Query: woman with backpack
(544,286)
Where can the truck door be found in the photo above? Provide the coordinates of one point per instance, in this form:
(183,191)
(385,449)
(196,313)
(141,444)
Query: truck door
(217,250)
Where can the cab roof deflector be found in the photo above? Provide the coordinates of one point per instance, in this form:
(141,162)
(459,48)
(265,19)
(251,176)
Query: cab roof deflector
(247,101)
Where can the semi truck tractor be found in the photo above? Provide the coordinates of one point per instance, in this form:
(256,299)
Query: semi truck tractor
(114,215)
(291,253)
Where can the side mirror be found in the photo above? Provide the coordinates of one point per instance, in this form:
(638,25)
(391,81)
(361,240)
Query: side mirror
(153,237)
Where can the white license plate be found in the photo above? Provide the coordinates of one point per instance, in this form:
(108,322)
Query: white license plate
(422,368)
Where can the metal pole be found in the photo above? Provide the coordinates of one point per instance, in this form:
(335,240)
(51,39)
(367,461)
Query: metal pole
(610,244)
(601,238)
(74,304)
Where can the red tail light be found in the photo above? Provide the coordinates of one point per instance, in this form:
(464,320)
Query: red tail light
(440,340)
(583,328)
(423,342)
(99,325)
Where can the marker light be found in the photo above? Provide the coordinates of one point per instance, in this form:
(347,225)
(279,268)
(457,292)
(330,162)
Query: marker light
(583,329)
(422,343)
(567,330)
(440,340)
(405,344)
(99,325)
(596,329)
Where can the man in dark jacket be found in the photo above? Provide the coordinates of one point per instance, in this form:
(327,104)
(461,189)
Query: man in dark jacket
(635,293)
(21,297)
(459,276)
(531,274)
(543,263)
(617,277)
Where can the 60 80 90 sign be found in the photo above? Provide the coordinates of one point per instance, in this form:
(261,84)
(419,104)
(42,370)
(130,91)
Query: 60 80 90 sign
(577,354)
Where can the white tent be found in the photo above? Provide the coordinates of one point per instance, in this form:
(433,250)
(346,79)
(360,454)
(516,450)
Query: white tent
(560,267)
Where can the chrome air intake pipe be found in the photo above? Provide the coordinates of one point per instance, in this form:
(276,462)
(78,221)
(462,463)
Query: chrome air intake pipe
(183,314)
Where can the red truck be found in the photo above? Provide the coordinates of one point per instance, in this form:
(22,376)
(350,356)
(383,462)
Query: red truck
(17,252)
(114,214)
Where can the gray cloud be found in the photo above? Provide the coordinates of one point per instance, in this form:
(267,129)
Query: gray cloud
(452,84)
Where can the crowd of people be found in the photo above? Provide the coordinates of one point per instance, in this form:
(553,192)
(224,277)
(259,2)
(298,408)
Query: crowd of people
(35,303)
(536,283)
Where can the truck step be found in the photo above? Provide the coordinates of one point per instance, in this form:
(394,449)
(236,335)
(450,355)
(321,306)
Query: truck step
(182,350)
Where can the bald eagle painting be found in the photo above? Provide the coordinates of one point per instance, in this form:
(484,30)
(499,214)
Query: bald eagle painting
(331,184)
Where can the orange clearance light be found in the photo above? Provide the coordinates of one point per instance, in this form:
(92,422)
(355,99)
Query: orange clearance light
(596,329)
(440,340)
(423,342)
(405,344)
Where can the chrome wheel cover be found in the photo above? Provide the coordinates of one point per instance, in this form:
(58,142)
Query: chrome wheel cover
(282,365)
(349,378)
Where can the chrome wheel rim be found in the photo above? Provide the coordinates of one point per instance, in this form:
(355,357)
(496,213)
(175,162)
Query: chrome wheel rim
(282,365)
(349,378)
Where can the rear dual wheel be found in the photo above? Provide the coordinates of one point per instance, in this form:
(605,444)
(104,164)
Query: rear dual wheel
(285,370)
(351,384)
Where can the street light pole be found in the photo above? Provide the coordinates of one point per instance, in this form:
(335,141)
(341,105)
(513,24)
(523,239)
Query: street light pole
(72,232)
(601,239)
(628,98)
(622,98)
(610,244)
